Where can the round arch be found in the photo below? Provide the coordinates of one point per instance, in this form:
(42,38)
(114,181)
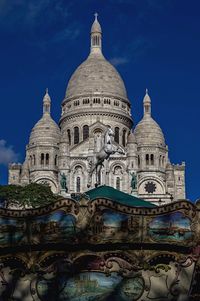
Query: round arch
(160,185)
(78,163)
(50,182)
(117,163)
(97,129)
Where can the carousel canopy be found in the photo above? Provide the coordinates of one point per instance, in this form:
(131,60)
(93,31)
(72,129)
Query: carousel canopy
(117,196)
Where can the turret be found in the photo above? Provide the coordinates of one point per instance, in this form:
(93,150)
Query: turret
(96,36)
(46,103)
(43,148)
(147,104)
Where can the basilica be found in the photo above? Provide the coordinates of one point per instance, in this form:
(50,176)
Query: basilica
(95,100)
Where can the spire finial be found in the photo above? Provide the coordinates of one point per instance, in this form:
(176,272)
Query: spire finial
(147,104)
(96,15)
(46,102)
(96,36)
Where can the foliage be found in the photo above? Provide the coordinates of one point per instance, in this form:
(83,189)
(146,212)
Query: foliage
(32,195)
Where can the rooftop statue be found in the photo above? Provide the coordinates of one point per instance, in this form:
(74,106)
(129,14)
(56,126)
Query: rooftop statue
(63,182)
(108,149)
(133,182)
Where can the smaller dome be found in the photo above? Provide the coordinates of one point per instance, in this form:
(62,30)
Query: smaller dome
(147,99)
(148,132)
(96,27)
(45,131)
(131,138)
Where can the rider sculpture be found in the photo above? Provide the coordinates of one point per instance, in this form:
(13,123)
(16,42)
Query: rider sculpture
(108,149)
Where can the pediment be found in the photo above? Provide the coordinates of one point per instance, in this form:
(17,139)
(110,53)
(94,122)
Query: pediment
(98,125)
(81,149)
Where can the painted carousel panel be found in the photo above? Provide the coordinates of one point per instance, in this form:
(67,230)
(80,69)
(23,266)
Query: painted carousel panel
(112,226)
(12,231)
(54,228)
(173,227)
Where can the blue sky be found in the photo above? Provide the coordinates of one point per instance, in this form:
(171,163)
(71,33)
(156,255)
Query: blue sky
(153,44)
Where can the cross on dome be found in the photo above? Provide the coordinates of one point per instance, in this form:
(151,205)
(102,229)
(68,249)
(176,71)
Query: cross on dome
(96,15)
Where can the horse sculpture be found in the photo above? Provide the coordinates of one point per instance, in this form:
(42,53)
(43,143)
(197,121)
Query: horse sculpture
(108,149)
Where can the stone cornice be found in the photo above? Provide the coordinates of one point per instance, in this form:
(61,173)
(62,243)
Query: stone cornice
(146,171)
(93,95)
(127,119)
(152,148)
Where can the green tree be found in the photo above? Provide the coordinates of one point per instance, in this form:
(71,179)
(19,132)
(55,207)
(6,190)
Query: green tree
(34,195)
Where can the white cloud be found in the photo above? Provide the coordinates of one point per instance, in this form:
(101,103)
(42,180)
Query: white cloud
(116,61)
(7,154)
(64,35)
(136,49)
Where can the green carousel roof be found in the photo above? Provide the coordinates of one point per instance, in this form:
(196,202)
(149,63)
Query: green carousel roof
(117,196)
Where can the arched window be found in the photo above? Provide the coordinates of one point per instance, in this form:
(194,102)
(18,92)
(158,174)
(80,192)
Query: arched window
(34,160)
(138,161)
(42,159)
(56,160)
(160,160)
(98,140)
(118,170)
(47,159)
(85,132)
(76,135)
(69,136)
(147,159)
(117,134)
(152,159)
(147,108)
(96,40)
(163,161)
(124,138)
(31,161)
(118,183)
(78,184)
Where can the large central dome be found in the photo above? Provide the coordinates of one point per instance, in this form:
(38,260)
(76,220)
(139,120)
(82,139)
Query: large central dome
(96,91)
(96,74)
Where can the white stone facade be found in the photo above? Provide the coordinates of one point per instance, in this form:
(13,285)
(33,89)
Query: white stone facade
(95,98)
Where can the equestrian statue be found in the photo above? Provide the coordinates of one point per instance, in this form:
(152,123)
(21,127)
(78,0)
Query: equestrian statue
(108,148)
